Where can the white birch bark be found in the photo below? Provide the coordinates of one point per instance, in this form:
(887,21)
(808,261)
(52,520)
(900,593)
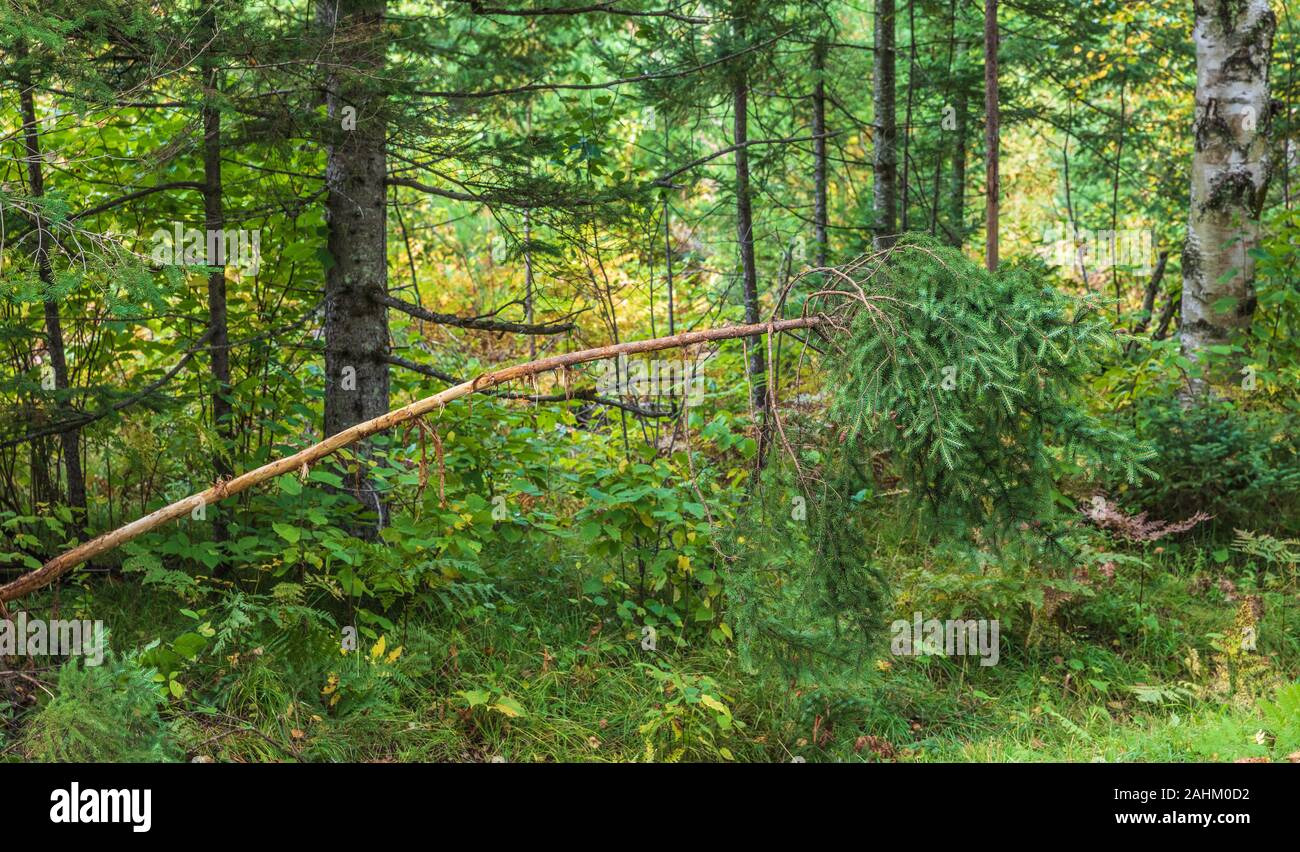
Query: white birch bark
(1230,169)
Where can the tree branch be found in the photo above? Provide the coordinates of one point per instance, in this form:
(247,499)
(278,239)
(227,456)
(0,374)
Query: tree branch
(580,394)
(61,564)
(476,323)
(86,419)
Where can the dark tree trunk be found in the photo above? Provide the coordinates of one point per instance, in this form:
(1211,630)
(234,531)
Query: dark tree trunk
(957,179)
(69,438)
(356,325)
(754,363)
(820,215)
(885,184)
(991,128)
(219,340)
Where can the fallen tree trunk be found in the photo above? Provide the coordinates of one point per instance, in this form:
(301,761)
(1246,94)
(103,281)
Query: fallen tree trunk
(65,562)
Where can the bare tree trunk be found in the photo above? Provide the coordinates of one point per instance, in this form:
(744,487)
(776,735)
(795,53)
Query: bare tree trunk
(991,128)
(906,209)
(71,438)
(1230,171)
(820,220)
(885,184)
(957,182)
(215,223)
(356,325)
(959,87)
(754,365)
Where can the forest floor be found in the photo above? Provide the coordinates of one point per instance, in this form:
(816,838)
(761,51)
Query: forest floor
(541,676)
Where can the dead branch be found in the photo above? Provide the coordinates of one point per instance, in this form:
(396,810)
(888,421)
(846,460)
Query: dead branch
(61,564)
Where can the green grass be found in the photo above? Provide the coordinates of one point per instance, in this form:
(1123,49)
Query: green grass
(546,676)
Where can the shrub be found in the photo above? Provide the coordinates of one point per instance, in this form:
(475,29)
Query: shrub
(1239,464)
(105,713)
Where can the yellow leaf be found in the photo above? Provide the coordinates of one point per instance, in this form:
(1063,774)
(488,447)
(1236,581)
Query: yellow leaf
(394,654)
(683,563)
(378,651)
(714,704)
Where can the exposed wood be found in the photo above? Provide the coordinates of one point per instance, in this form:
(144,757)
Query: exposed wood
(68,560)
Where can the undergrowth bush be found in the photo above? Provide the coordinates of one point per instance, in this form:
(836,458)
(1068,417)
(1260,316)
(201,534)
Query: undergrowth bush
(973,384)
(1238,463)
(107,713)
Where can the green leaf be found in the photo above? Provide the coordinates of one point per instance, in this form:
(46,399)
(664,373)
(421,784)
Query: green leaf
(287,532)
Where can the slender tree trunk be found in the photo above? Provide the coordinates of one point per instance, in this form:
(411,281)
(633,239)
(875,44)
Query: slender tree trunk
(885,184)
(991,129)
(356,325)
(1230,171)
(528,254)
(70,438)
(1114,192)
(215,223)
(906,209)
(754,365)
(820,220)
(959,87)
(668,247)
(957,181)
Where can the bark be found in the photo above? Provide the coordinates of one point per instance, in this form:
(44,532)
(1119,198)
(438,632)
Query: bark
(957,181)
(71,439)
(1231,164)
(300,461)
(1149,297)
(991,129)
(820,220)
(906,208)
(218,334)
(754,366)
(885,184)
(476,323)
(356,325)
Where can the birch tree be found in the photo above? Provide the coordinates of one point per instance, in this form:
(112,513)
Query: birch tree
(1230,171)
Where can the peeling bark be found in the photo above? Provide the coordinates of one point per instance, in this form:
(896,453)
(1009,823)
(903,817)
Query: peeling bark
(1230,169)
